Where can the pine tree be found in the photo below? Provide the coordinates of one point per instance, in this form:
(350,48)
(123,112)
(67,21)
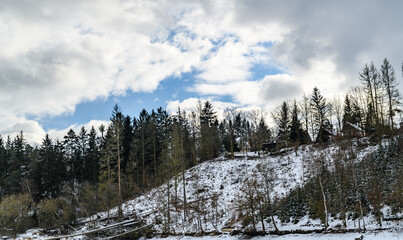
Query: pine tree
(295,127)
(348,111)
(70,148)
(263,133)
(283,120)
(320,113)
(392,92)
(79,160)
(370,78)
(127,140)
(4,167)
(92,158)
(208,132)
(115,131)
(144,138)
(50,168)
(17,164)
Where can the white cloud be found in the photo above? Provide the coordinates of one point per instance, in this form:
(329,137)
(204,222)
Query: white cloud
(190,104)
(59,134)
(32,131)
(59,54)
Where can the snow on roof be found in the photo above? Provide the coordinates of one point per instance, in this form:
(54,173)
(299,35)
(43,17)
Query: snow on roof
(355,126)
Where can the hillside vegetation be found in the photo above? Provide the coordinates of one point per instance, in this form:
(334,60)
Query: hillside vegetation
(323,165)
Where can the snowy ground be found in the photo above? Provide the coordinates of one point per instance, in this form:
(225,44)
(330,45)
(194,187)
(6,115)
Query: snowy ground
(214,187)
(384,235)
(218,183)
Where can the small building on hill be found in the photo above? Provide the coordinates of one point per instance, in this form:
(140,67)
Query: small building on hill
(276,144)
(324,135)
(352,130)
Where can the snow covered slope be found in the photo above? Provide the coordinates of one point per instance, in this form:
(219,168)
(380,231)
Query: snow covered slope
(213,189)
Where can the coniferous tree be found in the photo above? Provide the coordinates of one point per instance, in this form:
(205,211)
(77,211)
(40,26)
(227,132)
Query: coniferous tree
(320,113)
(79,160)
(70,147)
(17,164)
(143,126)
(4,167)
(50,168)
(263,133)
(163,123)
(127,139)
(348,111)
(283,120)
(115,131)
(92,157)
(306,112)
(208,132)
(370,78)
(296,133)
(392,92)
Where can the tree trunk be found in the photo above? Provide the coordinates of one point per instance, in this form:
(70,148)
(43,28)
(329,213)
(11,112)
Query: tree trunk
(119,185)
(324,203)
(143,157)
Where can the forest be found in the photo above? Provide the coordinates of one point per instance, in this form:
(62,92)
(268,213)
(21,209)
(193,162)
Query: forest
(92,170)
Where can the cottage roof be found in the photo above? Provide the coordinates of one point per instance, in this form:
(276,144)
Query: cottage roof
(355,126)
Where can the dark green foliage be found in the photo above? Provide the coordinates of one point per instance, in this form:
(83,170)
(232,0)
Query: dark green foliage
(3,168)
(351,112)
(372,182)
(263,133)
(297,135)
(294,205)
(320,112)
(392,93)
(156,146)
(209,138)
(282,119)
(50,170)
(91,156)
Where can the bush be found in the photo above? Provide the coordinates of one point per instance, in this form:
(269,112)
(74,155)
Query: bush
(89,201)
(16,214)
(55,214)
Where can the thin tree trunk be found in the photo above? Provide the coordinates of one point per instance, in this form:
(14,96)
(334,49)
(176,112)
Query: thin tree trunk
(324,203)
(155,160)
(119,185)
(359,203)
(143,157)
(183,176)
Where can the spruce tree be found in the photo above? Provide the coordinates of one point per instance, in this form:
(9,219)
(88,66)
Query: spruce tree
(295,129)
(70,148)
(208,132)
(320,112)
(92,157)
(3,168)
(51,168)
(262,133)
(392,92)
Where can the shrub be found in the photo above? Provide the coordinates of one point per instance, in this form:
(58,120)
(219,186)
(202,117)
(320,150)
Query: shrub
(55,214)
(16,214)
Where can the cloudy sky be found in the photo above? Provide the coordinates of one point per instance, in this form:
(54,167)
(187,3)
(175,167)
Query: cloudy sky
(65,64)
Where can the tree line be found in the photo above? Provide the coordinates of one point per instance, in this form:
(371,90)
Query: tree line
(95,169)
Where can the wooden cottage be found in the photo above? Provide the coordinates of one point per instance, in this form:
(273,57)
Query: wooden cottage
(352,130)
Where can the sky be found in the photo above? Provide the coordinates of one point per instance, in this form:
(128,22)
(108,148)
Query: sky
(65,64)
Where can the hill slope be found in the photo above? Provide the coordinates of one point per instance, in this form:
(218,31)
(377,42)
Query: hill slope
(215,190)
